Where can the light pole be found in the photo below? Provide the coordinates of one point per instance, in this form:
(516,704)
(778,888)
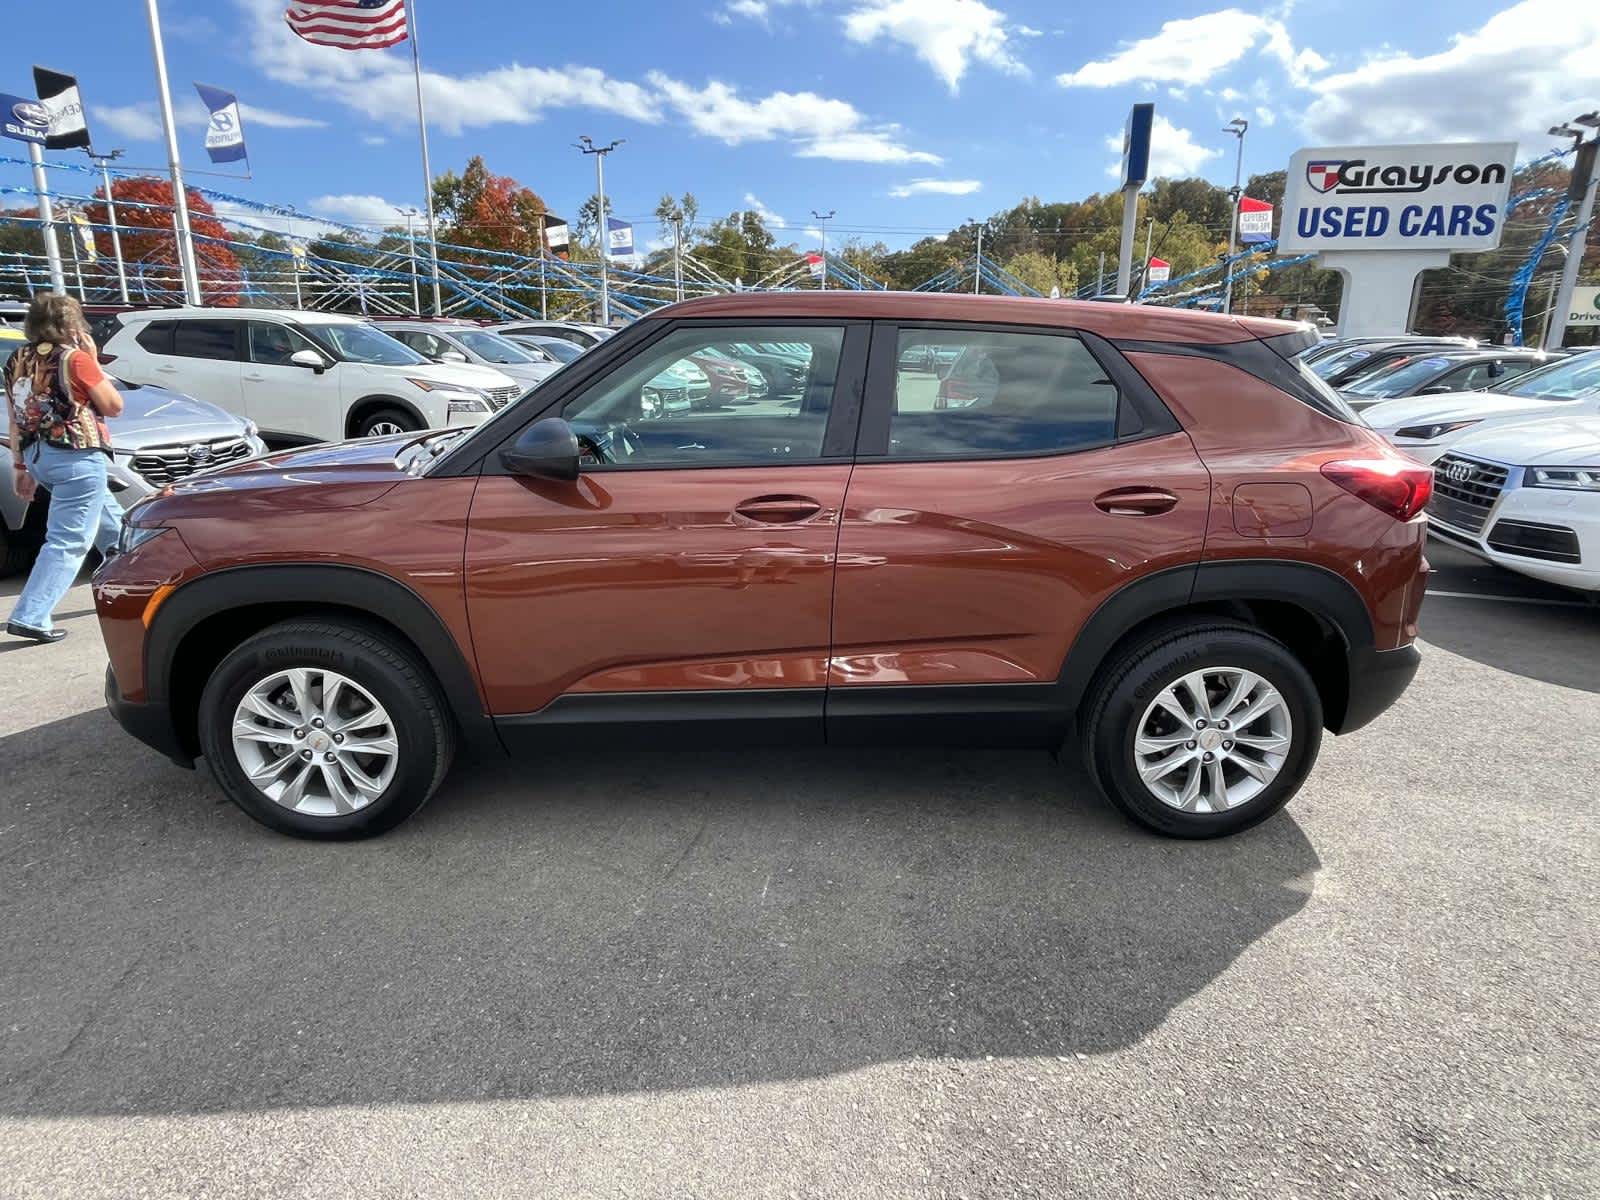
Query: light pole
(1585,181)
(411,240)
(822,224)
(103,161)
(1238,127)
(586,145)
(977,262)
(187,267)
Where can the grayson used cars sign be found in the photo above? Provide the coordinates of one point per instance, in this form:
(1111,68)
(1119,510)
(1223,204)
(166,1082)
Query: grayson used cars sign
(1450,196)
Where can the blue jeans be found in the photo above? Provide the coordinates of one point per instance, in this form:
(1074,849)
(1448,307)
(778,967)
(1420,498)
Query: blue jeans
(83,513)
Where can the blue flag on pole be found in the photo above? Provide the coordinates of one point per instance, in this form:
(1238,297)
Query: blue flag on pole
(225,133)
(619,238)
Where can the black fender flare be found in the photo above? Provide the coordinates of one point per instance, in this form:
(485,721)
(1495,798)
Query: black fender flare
(1313,588)
(383,400)
(308,586)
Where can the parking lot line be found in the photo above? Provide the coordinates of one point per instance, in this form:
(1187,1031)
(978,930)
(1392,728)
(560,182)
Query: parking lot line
(1514,599)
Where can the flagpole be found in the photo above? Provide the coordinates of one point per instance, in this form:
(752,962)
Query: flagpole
(427,169)
(180,199)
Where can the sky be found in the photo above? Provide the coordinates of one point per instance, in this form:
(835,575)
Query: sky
(903,117)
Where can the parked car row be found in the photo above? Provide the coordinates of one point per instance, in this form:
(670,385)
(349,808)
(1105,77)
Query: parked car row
(1513,435)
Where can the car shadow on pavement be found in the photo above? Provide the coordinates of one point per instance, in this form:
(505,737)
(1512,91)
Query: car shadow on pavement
(607,923)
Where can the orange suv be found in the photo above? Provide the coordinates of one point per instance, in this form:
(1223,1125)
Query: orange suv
(1147,536)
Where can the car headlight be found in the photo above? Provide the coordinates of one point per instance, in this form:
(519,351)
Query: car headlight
(459,399)
(131,536)
(1427,433)
(1575,479)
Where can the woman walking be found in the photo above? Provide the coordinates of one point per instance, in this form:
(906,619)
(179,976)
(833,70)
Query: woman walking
(59,398)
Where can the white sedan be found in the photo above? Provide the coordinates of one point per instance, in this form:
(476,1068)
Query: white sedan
(1426,426)
(1525,497)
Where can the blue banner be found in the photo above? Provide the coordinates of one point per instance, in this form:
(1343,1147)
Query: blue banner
(225,133)
(619,238)
(23,120)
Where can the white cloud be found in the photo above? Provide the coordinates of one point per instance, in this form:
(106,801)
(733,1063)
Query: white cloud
(769,218)
(938,187)
(254,114)
(142,122)
(1174,153)
(374,139)
(136,122)
(1266,117)
(1531,65)
(945,34)
(1192,50)
(358,209)
(1027,31)
(817,126)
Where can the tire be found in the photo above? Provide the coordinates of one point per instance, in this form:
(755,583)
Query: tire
(384,422)
(371,669)
(16,552)
(1124,703)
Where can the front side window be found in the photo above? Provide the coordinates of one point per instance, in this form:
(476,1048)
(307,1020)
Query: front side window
(272,345)
(205,339)
(363,344)
(658,408)
(491,347)
(1566,380)
(978,394)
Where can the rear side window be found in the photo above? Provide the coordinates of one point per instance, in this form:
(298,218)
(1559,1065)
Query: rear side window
(205,339)
(156,337)
(962,393)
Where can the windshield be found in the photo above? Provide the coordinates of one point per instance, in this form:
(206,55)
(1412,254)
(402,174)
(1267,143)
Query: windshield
(491,347)
(1339,360)
(1565,380)
(1399,379)
(563,352)
(363,344)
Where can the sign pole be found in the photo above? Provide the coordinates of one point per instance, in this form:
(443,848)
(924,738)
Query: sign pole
(1130,227)
(427,169)
(52,248)
(111,216)
(1238,127)
(180,198)
(1583,167)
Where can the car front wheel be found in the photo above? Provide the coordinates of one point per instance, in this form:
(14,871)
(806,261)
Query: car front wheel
(386,422)
(1203,731)
(325,731)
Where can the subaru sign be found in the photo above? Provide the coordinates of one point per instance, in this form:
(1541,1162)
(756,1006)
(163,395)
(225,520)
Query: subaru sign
(1451,196)
(1136,145)
(23,120)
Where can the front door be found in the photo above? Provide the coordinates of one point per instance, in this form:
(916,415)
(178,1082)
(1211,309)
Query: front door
(1008,481)
(287,401)
(686,577)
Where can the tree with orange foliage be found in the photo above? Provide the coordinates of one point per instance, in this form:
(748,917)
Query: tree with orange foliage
(147,236)
(494,212)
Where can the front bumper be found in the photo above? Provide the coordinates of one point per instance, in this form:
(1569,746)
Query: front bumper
(1571,517)
(150,723)
(1377,677)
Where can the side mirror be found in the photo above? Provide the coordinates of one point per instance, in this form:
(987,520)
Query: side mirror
(309,359)
(451,356)
(1436,389)
(547,449)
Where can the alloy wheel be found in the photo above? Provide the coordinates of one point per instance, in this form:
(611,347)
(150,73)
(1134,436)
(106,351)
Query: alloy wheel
(383,429)
(315,742)
(1213,740)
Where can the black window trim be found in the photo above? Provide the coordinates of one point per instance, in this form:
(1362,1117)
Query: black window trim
(838,438)
(1141,414)
(237,323)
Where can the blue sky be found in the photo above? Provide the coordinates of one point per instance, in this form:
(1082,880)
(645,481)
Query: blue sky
(904,116)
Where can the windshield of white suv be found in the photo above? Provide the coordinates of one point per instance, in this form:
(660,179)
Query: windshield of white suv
(362,344)
(1565,380)
(1399,379)
(491,347)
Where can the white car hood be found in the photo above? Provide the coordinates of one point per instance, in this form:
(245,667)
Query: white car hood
(1457,406)
(460,374)
(1559,442)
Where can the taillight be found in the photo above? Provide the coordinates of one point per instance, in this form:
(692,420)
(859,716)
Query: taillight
(1391,485)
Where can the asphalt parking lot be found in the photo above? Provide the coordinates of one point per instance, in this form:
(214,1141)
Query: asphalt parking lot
(823,973)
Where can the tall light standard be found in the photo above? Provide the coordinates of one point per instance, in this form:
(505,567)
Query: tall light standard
(1238,126)
(822,224)
(977,262)
(411,214)
(1585,181)
(104,161)
(588,147)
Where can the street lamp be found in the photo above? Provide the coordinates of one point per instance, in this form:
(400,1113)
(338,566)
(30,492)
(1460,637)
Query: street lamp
(977,261)
(1237,127)
(587,146)
(104,161)
(411,241)
(822,223)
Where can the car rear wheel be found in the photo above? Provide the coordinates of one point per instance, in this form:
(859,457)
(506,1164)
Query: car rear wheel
(1203,731)
(325,731)
(386,422)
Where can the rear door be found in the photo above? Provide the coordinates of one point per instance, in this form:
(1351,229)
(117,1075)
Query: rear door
(987,519)
(203,362)
(682,586)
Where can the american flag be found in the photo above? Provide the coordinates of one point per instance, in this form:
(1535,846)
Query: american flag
(349,24)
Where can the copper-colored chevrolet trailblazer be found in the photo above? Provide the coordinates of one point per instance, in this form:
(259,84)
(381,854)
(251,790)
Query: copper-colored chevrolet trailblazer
(1143,535)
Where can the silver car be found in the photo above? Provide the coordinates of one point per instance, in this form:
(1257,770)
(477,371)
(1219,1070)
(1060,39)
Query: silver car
(160,437)
(441,342)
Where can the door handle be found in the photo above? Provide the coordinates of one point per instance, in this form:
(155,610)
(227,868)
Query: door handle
(778,510)
(166,370)
(255,378)
(1135,501)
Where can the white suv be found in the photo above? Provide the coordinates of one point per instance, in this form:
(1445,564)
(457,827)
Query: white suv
(302,376)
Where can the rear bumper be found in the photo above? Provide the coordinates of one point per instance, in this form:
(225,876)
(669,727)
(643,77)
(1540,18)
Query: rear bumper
(1377,677)
(150,723)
